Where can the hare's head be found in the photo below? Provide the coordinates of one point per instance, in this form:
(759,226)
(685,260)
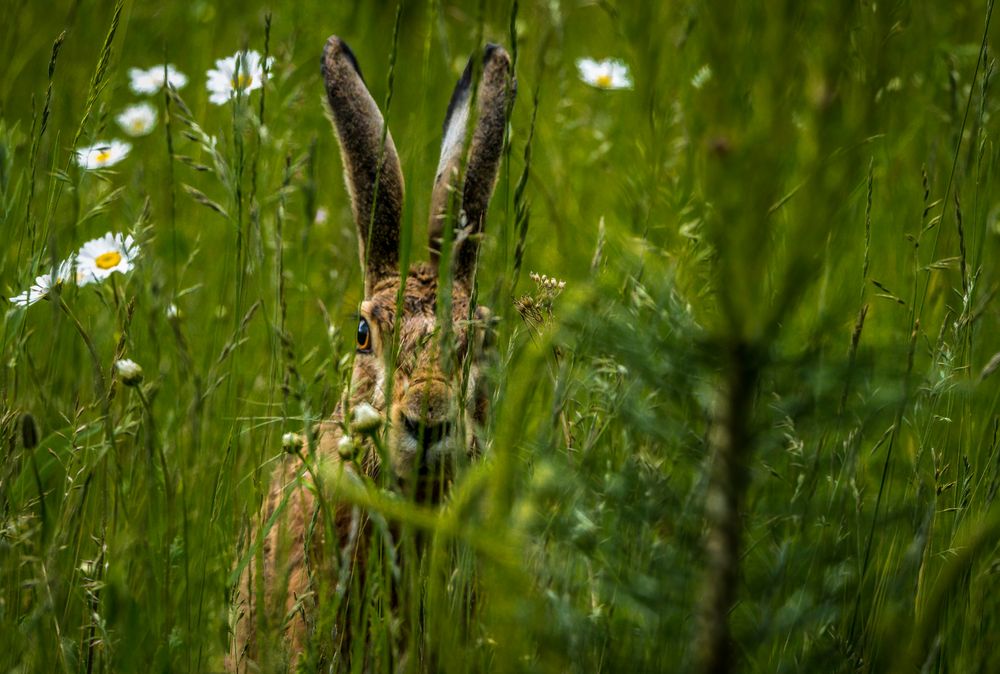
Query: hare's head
(433,370)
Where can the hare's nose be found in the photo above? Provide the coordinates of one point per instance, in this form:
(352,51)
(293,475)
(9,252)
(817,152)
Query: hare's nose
(427,400)
(426,432)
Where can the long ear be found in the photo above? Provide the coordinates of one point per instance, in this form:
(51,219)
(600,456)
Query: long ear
(373,176)
(496,90)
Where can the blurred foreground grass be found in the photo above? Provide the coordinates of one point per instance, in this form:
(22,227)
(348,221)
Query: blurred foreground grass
(777,337)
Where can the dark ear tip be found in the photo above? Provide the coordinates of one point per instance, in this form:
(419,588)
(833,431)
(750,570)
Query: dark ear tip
(495,53)
(332,50)
(466,79)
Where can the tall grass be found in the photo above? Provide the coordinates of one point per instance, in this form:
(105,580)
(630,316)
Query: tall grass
(759,430)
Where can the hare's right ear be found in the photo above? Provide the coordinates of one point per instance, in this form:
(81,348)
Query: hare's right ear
(371,169)
(495,93)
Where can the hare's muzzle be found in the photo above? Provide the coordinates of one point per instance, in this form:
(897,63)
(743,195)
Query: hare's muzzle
(424,428)
(426,433)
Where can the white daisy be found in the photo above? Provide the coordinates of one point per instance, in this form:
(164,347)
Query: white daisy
(44,284)
(138,119)
(150,81)
(241,72)
(99,258)
(102,155)
(70,270)
(38,290)
(606,74)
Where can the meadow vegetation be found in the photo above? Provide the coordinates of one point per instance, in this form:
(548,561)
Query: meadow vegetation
(757,429)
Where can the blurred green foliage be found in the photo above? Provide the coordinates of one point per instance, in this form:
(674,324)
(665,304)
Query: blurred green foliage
(809,185)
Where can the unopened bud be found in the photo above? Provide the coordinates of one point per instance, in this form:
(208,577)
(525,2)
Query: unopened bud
(291,442)
(346,448)
(129,371)
(365,419)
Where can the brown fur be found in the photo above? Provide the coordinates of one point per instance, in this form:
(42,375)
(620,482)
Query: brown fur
(496,90)
(296,567)
(360,129)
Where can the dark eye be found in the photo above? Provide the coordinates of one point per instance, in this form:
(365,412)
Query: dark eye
(364,337)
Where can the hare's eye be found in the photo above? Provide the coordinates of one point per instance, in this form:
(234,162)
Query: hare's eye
(364,337)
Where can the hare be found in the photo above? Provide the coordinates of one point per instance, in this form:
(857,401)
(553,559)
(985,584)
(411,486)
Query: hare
(431,385)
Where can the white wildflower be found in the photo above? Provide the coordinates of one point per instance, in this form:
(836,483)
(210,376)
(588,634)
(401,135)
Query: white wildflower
(100,258)
(241,72)
(138,119)
(44,284)
(150,81)
(606,74)
(37,291)
(549,286)
(69,270)
(102,155)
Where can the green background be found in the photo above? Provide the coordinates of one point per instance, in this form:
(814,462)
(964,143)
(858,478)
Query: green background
(783,177)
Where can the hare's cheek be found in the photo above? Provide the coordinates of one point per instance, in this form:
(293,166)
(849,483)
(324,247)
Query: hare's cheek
(403,448)
(400,387)
(380,386)
(368,382)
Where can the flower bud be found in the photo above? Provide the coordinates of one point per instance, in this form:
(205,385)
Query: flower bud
(346,448)
(129,371)
(365,419)
(291,442)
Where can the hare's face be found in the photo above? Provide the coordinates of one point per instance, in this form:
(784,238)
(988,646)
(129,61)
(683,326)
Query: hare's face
(437,394)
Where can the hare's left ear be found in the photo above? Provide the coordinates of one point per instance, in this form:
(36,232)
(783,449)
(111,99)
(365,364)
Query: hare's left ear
(496,90)
(371,169)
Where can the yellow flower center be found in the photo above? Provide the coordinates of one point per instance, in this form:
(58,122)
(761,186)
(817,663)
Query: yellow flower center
(242,81)
(604,80)
(137,125)
(108,260)
(103,156)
